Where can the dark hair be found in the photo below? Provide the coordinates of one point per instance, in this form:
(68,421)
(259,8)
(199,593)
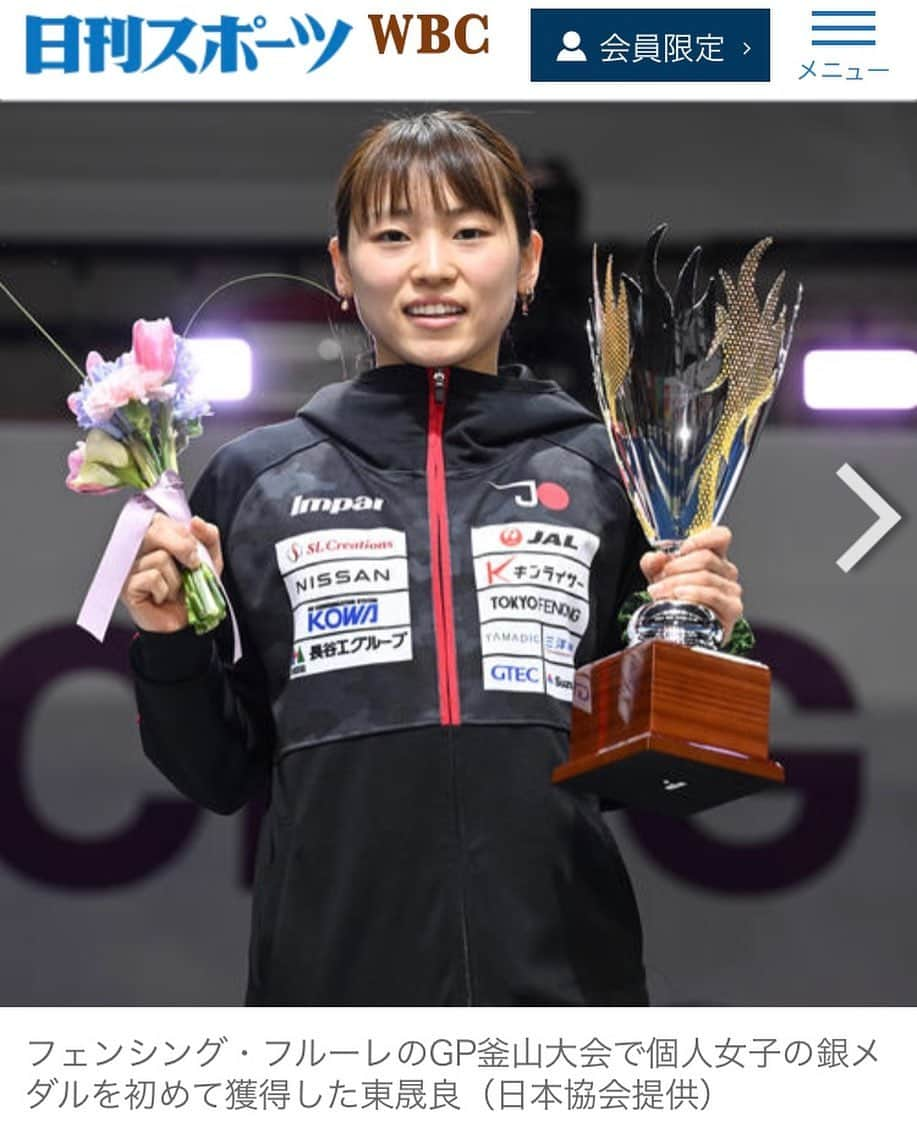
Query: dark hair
(453,149)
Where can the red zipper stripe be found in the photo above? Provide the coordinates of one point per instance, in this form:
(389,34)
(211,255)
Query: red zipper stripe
(440,558)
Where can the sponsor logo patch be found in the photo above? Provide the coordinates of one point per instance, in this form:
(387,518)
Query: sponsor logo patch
(519,675)
(532,582)
(302,504)
(348,590)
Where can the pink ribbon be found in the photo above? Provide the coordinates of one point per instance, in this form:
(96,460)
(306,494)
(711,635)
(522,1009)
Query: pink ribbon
(168,495)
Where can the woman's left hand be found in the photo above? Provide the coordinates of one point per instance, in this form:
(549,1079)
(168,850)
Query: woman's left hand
(701,573)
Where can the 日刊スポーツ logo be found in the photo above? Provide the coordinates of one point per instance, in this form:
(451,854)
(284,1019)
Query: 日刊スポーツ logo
(134,45)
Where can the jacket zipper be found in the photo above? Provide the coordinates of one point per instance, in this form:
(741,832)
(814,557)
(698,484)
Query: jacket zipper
(440,558)
(443,622)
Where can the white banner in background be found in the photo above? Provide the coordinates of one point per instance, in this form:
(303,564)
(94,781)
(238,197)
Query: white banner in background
(456,50)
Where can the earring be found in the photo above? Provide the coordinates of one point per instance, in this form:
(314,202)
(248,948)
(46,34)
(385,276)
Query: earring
(526,299)
(344,304)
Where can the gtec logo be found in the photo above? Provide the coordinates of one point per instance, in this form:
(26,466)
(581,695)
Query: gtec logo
(506,672)
(431,33)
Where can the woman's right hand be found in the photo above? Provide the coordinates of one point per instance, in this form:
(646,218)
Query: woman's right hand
(152,592)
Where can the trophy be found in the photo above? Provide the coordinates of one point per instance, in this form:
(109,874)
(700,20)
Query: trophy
(672,723)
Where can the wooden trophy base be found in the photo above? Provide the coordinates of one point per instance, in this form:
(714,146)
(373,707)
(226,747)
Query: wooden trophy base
(669,728)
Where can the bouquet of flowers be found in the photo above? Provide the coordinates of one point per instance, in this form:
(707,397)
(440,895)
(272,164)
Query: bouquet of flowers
(140,411)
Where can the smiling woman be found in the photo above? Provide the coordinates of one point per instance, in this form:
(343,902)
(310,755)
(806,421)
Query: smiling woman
(435,240)
(418,561)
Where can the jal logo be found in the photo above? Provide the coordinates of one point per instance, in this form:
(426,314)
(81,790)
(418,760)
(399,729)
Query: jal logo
(511,537)
(563,541)
(429,33)
(551,495)
(335,617)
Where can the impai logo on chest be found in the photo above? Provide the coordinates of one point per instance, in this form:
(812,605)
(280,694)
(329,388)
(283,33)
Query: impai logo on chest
(305,505)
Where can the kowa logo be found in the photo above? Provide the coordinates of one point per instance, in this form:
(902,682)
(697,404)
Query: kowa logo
(337,617)
(430,33)
(304,505)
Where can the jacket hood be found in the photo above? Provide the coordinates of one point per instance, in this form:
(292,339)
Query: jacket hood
(383,415)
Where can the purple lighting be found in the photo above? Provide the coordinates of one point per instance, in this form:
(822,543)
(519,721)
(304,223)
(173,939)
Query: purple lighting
(862,379)
(225,369)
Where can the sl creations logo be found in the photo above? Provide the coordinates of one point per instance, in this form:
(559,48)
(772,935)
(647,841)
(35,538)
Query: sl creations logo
(101,44)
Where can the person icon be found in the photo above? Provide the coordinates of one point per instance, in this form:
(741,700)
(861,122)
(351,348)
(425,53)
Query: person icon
(571,50)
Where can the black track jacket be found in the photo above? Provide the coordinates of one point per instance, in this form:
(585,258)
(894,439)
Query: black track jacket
(417,560)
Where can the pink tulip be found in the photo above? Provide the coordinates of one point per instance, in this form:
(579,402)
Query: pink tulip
(153,345)
(75,465)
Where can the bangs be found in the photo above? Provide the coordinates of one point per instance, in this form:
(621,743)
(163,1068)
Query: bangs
(447,173)
(445,157)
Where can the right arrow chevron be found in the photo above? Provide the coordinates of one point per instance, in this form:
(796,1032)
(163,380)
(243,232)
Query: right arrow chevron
(887,518)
